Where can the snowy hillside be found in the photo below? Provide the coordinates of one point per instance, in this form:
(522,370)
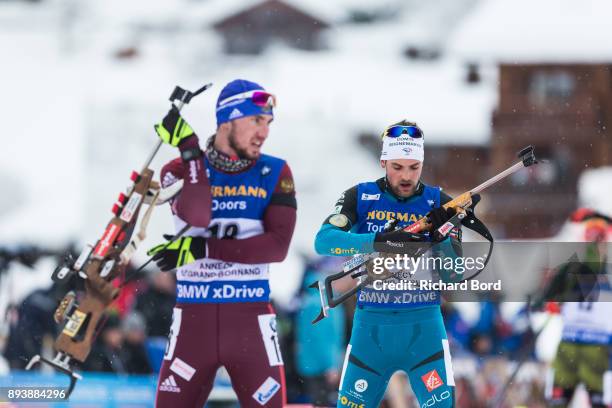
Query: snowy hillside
(82,120)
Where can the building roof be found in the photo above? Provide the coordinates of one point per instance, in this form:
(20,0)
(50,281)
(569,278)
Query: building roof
(541,31)
(211,12)
(235,18)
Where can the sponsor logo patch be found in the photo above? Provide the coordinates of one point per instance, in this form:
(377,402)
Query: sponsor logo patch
(392,215)
(108,239)
(169,385)
(266,391)
(131,207)
(169,179)
(370,197)
(193,171)
(286,185)
(339,220)
(235,114)
(241,190)
(361,385)
(350,403)
(445,229)
(74,323)
(218,291)
(436,398)
(432,380)
(182,369)
(344,251)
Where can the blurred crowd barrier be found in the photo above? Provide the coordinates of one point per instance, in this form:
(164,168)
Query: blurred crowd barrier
(124,361)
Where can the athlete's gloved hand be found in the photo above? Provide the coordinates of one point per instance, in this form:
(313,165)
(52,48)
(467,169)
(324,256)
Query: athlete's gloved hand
(173,129)
(399,242)
(439,216)
(178,253)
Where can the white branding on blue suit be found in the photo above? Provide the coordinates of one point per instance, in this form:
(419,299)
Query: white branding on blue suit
(228,205)
(436,398)
(214,281)
(361,385)
(370,197)
(220,292)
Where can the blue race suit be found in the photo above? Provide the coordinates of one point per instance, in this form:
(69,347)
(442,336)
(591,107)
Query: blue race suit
(392,330)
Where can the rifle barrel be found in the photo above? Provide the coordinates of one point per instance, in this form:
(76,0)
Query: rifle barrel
(498,177)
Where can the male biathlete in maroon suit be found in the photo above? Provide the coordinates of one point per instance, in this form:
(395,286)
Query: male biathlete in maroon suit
(223,316)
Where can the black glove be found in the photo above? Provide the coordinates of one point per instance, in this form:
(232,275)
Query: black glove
(439,216)
(475,200)
(180,252)
(399,242)
(173,129)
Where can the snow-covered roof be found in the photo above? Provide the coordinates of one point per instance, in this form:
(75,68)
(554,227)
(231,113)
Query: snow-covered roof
(429,23)
(338,11)
(540,31)
(207,13)
(332,12)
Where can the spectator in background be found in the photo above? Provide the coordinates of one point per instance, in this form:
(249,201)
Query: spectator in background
(155,304)
(105,355)
(135,284)
(484,333)
(133,352)
(33,321)
(494,335)
(457,329)
(320,347)
(120,347)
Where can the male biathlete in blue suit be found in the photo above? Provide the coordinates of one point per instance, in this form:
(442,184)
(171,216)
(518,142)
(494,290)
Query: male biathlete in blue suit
(394,330)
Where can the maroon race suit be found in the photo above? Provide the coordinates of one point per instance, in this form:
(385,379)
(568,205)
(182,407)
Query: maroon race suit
(223,316)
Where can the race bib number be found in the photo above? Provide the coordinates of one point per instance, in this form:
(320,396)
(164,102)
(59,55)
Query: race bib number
(267,325)
(177,315)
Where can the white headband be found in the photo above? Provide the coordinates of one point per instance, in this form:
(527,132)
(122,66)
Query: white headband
(402,147)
